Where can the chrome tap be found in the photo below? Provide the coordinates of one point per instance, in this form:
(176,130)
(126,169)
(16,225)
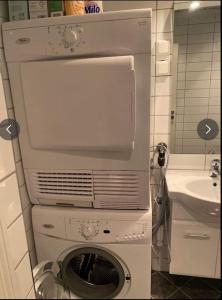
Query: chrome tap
(215,168)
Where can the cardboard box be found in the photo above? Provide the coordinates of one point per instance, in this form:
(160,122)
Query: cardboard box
(38,9)
(18,10)
(55,8)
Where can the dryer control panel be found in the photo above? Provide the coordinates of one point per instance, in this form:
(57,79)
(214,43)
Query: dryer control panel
(65,38)
(106,231)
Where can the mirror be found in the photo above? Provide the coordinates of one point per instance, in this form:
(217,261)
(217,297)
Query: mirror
(195,107)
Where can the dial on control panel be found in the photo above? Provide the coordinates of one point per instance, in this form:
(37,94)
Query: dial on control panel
(70,37)
(88,231)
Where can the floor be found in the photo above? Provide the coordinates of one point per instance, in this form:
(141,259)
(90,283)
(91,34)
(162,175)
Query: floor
(167,286)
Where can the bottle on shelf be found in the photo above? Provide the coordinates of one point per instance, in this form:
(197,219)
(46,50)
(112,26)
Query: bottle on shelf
(76,8)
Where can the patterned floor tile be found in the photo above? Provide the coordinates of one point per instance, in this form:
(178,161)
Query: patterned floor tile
(161,288)
(178,280)
(197,289)
(178,294)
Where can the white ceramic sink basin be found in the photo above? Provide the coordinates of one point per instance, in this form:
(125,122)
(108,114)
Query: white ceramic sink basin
(196,191)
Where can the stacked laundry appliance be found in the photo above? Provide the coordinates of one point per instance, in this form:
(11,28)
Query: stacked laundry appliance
(81,92)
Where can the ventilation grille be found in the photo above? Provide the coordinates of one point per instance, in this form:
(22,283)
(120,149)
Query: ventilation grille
(116,184)
(87,188)
(72,184)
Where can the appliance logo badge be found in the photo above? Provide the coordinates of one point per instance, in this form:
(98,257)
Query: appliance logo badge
(23,41)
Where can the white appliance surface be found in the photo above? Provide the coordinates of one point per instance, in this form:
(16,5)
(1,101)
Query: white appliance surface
(94,109)
(122,238)
(81,93)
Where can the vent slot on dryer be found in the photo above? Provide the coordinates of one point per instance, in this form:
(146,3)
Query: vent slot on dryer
(101,189)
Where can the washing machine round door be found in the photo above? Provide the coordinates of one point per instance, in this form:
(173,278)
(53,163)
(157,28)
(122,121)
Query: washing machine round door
(93,273)
(47,285)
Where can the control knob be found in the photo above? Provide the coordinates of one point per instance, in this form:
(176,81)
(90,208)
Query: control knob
(88,231)
(70,37)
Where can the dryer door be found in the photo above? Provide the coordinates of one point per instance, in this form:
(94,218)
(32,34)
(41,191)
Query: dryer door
(94,273)
(86,104)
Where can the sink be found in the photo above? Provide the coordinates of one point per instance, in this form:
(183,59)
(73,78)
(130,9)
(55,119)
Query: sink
(196,192)
(205,189)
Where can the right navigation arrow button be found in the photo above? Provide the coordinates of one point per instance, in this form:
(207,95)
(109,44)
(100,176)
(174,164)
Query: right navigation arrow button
(208,129)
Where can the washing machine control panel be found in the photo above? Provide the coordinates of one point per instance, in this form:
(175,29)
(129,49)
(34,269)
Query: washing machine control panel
(106,230)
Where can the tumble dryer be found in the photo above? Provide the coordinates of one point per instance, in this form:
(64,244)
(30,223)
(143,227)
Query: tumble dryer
(91,253)
(81,93)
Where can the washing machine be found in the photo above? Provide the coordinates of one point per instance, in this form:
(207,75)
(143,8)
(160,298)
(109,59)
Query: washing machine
(92,254)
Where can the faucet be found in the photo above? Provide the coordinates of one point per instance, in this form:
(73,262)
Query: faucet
(215,167)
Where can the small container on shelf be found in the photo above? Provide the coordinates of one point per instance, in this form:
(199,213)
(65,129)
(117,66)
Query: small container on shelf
(76,8)
(55,8)
(18,10)
(38,9)
(92,7)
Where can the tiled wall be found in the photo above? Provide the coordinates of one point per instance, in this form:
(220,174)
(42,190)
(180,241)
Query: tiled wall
(14,226)
(198,77)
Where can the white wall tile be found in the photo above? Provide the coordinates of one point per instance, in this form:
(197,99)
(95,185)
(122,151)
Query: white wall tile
(163,86)
(182,58)
(181,76)
(180,102)
(10,201)
(198,84)
(181,84)
(200,38)
(152,106)
(215,65)
(197,57)
(216,46)
(217,27)
(198,75)
(151,124)
(198,66)
(216,56)
(180,29)
(214,92)
(215,84)
(186,162)
(197,48)
(162,125)
(164,20)
(122,5)
(181,39)
(23,278)
(197,93)
(216,37)
(164,4)
(153,30)
(181,67)
(194,118)
(195,110)
(201,28)
(17,244)
(196,101)
(162,105)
